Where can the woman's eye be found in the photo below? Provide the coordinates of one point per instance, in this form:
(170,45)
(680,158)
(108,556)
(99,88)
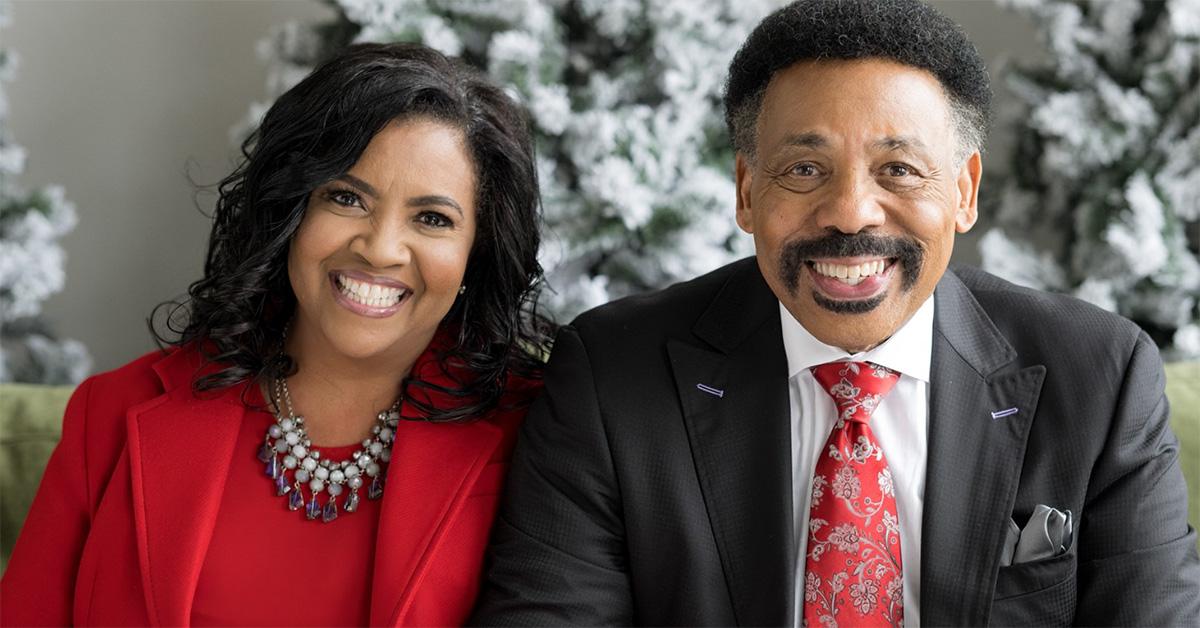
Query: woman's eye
(434,219)
(345,198)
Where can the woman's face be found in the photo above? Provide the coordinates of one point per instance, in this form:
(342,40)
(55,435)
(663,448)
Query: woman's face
(380,255)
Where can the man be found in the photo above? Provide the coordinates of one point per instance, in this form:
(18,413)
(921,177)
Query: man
(840,430)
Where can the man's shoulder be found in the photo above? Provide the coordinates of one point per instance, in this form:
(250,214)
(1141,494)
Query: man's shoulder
(1046,322)
(674,308)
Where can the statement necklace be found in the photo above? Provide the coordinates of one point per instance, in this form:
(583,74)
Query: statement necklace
(288,438)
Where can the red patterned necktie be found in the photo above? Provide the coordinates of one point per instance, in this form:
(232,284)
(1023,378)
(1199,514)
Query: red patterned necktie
(852,570)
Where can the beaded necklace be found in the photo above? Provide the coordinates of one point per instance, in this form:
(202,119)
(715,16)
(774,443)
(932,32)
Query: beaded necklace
(287,437)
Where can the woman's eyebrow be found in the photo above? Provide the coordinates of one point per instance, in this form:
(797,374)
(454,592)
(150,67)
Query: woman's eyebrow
(435,199)
(363,186)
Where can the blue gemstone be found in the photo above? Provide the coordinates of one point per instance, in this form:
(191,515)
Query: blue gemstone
(313,509)
(273,467)
(376,489)
(330,512)
(295,501)
(281,485)
(352,502)
(265,453)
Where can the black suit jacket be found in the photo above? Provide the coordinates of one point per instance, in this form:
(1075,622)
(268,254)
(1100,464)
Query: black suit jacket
(636,498)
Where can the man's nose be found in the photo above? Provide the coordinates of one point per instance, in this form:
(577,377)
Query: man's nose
(851,205)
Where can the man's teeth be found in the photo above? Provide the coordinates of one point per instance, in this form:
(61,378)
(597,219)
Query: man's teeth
(852,275)
(369,294)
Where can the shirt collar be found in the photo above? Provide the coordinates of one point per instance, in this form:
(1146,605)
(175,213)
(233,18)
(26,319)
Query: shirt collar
(908,351)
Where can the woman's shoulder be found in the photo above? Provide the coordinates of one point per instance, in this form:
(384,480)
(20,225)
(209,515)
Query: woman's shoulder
(144,378)
(519,394)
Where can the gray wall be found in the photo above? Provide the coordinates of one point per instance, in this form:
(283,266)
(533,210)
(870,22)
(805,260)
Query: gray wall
(121,101)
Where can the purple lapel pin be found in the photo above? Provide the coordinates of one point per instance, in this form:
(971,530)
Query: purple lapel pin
(716,392)
(1003,413)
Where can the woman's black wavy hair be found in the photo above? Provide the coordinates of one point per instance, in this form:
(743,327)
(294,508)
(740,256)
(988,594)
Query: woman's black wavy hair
(238,311)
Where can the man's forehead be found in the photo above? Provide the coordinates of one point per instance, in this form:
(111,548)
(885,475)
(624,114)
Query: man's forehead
(817,140)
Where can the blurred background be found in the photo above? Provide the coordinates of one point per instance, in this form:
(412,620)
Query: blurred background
(130,111)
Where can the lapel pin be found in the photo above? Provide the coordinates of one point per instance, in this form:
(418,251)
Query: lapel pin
(716,392)
(1003,413)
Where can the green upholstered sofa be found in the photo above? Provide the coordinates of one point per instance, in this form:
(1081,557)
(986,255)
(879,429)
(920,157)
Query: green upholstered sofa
(30,418)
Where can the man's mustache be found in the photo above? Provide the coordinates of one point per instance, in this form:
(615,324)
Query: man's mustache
(907,252)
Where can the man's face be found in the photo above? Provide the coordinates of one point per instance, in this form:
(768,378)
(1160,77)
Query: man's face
(854,195)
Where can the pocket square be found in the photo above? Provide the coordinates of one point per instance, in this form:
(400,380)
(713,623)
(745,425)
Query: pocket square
(1047,534)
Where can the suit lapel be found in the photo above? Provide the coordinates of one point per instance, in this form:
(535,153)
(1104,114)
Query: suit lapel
(180,448)
(433,467)
(739,435)
(981,408)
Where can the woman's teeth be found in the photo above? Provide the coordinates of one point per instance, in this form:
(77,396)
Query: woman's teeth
(369,294)
(851,275)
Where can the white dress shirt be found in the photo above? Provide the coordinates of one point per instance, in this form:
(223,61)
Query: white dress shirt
(899,425)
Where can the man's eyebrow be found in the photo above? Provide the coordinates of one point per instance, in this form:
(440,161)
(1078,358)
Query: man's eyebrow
(363,186)
(435,199)
(899,142)
(806,140)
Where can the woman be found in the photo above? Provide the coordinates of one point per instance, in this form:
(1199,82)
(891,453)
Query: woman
(374,259)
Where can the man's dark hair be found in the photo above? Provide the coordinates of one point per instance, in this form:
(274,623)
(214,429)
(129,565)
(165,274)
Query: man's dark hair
(905,31)
(238,311)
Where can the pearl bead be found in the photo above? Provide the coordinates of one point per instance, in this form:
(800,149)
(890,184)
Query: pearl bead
(292,438)
(316,454)
(275,431)
(335,489)
(352,471)
(386,455)
(299,451)
(373,469)
(322,473)
(301,475)
(289,462)
(366,443)
(337,477)
(309,464)
(316,485)
(364,460)
(354,482)
(281,446)
(376,448)
(287,424)
(385,434)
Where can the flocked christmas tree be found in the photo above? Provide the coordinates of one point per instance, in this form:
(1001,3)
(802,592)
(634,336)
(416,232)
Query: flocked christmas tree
(31,263)
(635,165)
(1103,197)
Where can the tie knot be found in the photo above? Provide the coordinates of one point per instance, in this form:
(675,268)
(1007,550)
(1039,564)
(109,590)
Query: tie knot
(856,387)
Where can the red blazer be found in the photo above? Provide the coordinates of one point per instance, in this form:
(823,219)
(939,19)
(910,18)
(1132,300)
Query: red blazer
(121,523)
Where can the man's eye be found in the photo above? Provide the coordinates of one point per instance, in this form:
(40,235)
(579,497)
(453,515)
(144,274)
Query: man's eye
(804,170)
(899,170)
(434,219)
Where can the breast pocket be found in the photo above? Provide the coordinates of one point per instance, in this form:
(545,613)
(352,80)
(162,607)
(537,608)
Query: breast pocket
(1042,592)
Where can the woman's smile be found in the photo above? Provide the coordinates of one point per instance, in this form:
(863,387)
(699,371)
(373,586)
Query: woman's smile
(376,297)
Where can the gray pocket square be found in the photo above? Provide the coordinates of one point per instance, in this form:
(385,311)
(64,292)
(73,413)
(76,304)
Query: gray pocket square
(1048,533)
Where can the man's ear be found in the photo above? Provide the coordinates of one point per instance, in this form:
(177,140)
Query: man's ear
(967,211)
(744,179)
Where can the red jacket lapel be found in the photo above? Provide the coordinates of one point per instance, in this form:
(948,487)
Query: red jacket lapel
(179,448)
(433,469)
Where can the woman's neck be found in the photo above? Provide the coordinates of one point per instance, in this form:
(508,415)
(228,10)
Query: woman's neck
(340,396)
